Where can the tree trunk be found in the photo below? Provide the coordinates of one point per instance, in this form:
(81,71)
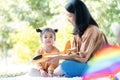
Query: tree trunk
(4,54)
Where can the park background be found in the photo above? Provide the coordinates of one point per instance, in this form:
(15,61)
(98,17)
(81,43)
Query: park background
(19,19)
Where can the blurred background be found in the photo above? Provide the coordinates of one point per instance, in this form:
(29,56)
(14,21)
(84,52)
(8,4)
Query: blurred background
(20,18)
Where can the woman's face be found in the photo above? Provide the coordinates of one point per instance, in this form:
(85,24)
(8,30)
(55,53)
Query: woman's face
(71,18)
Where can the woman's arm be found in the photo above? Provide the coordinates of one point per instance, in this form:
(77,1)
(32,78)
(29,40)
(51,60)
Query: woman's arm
(74,56)
(91,41)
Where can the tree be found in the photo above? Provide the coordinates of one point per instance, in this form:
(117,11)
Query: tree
(105,16)
(15,14)
(5,42)
(36,12)
(26,44)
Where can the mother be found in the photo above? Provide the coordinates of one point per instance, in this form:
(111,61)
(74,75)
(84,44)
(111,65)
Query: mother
(87,40)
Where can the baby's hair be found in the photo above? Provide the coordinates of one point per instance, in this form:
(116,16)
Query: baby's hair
(47,29)
(38,30)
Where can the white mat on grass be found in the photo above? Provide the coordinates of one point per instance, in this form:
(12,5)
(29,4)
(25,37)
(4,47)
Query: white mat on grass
(26,77)
(46,78)
(40,78)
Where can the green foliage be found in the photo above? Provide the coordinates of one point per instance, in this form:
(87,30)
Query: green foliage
(57,6)
(39,13)
(6,74)
(33,12)
(111,15)
(5,19)
(26,43)
(105,16)
(20,13)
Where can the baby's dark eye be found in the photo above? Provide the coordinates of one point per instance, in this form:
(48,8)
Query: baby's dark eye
(45,37)
(51,36)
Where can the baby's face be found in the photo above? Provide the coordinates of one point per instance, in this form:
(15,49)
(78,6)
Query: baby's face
(48,38)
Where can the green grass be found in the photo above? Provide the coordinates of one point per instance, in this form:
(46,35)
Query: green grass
(5,75)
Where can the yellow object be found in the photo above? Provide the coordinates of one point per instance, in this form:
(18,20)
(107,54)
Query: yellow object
(112,78)
(67,47)
(45,56)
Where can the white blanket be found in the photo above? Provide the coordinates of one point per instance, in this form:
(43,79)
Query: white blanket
(39,78)
(26,77)
(47,78)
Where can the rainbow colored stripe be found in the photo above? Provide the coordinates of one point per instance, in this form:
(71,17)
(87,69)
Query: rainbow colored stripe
(106,62)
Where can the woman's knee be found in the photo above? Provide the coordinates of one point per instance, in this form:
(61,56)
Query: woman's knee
(73,68)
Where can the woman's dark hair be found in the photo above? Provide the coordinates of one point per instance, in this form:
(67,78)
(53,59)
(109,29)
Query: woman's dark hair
(82,16)
(47,29)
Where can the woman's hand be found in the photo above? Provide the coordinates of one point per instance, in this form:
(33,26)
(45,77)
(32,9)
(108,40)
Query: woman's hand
(53,59)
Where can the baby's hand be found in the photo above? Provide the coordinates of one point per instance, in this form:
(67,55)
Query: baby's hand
(43,73)
(50,73)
